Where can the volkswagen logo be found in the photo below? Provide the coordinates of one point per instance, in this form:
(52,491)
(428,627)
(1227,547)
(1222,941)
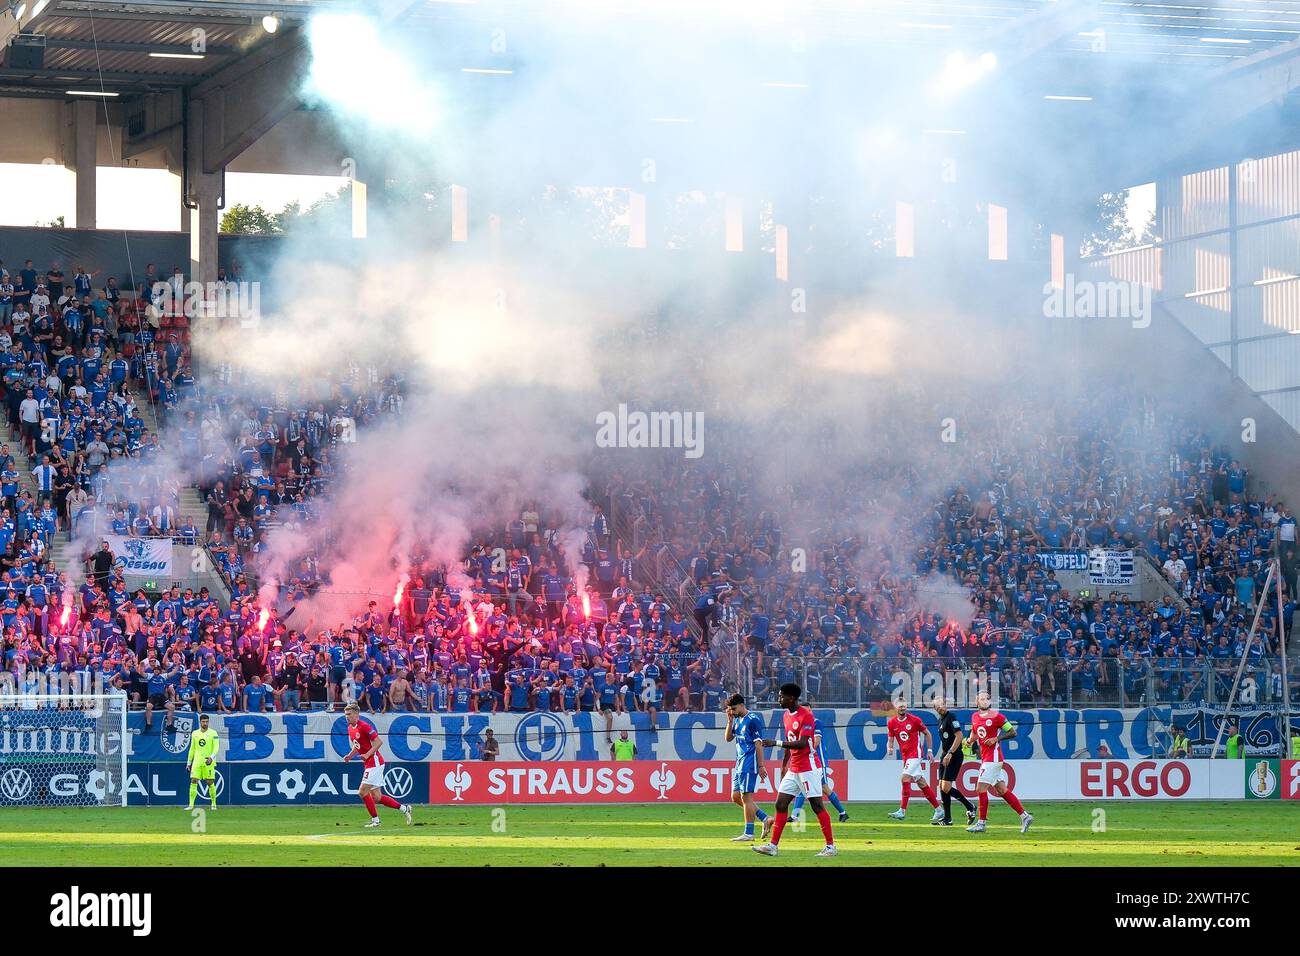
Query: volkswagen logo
(540,736)
(15,784)
(397,782)
(203,787)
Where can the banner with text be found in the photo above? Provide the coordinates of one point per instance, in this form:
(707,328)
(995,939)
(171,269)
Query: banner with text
(141,557)
(167,784)
(1076,779)
(1063,560)
(1109,568)
(633,781)
(1261,730)
(846,735)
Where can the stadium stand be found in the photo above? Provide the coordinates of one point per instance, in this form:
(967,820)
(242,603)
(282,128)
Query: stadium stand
(685,601)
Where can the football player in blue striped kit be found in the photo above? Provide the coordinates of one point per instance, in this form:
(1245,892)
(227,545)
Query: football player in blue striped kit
(828,787)
(746,729)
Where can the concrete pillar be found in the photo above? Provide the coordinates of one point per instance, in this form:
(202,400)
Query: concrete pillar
(359,209)
(84,113)
(205,188)
(203,193)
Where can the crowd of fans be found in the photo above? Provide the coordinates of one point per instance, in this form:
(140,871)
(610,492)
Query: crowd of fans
(1114,473)
(704,561)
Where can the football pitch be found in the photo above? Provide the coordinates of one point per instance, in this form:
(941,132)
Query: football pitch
(1126,834)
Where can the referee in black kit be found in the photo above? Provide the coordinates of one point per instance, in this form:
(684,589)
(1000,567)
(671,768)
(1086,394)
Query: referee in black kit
(950,738)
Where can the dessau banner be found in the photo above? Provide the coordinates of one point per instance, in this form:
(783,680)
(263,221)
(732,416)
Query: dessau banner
(141,557)
(846,735)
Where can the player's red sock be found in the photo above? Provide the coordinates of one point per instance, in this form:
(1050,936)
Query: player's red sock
(824,819)
(907,795)
(1014,801)
(929,795)
(984,805)
(369,801)
(779,825)
(388,801)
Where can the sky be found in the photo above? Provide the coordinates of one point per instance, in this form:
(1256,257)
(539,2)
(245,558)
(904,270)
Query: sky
(139,198)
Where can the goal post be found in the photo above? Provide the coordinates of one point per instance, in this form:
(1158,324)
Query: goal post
(63,750)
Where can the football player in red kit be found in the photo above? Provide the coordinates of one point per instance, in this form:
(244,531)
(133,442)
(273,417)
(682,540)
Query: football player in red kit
(366,744)
(990,728)
(801,771)
(908,729)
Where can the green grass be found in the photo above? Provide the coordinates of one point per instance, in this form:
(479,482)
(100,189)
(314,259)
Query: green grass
(1136,834)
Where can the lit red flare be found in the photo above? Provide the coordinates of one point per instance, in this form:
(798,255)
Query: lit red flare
(586,605)
(262,619)
(67,613)
(397,595)
(473,622)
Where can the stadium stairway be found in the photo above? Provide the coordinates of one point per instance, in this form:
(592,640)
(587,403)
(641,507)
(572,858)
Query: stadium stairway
(190,505)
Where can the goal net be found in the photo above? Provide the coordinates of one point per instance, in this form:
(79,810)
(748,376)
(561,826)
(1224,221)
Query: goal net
(66,750)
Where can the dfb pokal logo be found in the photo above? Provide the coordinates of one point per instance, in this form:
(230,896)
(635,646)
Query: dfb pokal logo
(397,782)
(15,784)
(457,781)
(1263,781)
(540,736)
(663,780)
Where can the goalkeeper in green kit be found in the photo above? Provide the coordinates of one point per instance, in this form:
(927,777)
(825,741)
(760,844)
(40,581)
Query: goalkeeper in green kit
(202,761)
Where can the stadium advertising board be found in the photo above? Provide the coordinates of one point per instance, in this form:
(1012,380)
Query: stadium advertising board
(1077,779)
(469,782)
(166,783)
(847,735)
(1272,779)
(49,784)
(633,781)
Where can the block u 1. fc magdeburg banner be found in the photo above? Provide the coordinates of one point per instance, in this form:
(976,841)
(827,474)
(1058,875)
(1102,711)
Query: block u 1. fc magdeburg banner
(543,737)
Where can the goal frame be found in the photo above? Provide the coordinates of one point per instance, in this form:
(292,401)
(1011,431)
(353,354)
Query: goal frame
(111,709)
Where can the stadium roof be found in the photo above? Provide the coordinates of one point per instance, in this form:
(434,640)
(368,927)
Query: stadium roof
(1138,62)
(138,48)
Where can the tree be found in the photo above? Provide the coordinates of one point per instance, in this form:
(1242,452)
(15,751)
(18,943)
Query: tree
(55,223)
(1148,235)
(249,221)
(330,214)
(1112,231)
